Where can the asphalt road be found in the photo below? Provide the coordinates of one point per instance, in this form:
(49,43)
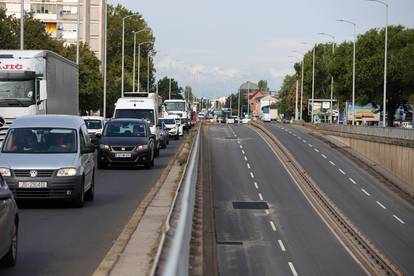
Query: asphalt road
(55,239)
(287,239)
(386,219)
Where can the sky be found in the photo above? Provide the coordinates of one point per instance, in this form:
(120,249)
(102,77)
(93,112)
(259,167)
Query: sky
(215,45)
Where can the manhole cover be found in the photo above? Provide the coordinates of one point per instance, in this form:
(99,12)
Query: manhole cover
(256,205)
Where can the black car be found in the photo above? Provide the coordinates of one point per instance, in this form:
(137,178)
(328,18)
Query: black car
(126,142)
(9,222)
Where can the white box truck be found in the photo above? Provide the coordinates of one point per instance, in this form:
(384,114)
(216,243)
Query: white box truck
(36,82)
(141,105)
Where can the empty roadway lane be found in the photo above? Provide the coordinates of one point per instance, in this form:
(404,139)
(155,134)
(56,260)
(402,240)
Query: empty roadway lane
(55,239)
(288,238)
(383,217)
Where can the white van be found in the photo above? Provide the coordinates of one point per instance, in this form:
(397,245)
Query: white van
(141,105)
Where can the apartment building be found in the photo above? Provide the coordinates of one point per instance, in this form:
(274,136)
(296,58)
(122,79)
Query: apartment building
(60,17)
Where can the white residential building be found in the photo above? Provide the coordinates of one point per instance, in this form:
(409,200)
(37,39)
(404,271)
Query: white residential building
(60,17)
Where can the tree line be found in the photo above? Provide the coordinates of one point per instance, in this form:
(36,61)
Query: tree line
(369,72)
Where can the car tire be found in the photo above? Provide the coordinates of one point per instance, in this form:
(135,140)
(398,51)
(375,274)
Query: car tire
(90,194)
(9,260)
(79,201)
(164,144)
(177,137)
(157,152)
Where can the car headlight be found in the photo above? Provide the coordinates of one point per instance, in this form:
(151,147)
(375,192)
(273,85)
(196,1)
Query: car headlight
(5,172)
(142,147)
(102,146)
(66,172)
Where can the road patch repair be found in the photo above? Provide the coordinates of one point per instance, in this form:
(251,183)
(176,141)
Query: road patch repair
(135,250)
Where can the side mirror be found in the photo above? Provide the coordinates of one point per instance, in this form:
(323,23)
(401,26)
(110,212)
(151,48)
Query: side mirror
(42,90)
(5,194)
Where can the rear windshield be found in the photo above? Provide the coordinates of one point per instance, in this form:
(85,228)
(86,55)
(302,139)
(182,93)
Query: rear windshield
(40,140)
(146,114)
(93,124)
(125,129)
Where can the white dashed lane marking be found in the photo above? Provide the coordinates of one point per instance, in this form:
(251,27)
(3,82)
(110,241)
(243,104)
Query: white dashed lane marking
(365,192)
(316,150)
(353,181)
(248,165)
(243,152)
(310,145)
(260,196)
(292,268)
(282,246)
(342,171)
(382,205)
(273,226)
(400,220)
(324,156)
(245,158)
(241,146)
(332,163)
(251,174)
(255,185)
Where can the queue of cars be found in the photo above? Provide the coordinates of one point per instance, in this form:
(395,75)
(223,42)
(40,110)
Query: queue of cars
(53,157)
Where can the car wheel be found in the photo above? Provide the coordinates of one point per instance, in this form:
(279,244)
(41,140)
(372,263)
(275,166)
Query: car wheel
(177,137)
(164,144)
(90,194)
(157,152)
(80,199)
(9,259)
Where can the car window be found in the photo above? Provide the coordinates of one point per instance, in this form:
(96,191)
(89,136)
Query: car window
(125,129)
(84,138)
(40,140)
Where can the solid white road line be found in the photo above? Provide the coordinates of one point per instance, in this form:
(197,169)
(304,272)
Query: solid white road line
(248,165)
(400,220)
(273,226)
(365,192)
(255,185)
(382,205)
(324,156)
(332,163)
(316,150)
(353,181)
(245,158)
(342,171)
(293,269)
(282,246)
(251,174)
(260,196)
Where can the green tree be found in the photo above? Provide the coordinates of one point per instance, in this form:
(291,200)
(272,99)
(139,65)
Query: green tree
(263,85)
(163,89)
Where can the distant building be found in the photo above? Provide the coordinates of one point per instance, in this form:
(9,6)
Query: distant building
(60,17)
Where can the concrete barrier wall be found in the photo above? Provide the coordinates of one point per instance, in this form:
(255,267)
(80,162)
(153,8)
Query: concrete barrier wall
(398,160)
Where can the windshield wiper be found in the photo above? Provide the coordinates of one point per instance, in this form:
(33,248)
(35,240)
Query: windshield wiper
(19,102)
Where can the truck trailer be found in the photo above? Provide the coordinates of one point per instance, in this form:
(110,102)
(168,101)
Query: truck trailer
(36,82)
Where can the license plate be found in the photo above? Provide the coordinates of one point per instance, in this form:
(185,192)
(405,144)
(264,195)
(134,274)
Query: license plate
(122,155)
(33,185)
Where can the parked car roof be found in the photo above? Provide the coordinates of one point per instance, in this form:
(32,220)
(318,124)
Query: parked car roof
(58,121)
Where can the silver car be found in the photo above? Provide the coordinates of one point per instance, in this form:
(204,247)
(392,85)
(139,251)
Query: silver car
(49,157)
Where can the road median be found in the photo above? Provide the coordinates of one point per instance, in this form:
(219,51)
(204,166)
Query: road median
(134,251)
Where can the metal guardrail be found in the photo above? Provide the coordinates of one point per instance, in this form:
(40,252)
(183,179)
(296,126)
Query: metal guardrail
(387,132)
(178,255)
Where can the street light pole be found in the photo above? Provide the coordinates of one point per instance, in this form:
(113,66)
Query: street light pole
(78,33)
(139,61)
(148,71)
(332,79)
(123,52)
(22,25)
(133,62)
(313,83)
(297,91)
(353,69)
(104,60)
(384,122)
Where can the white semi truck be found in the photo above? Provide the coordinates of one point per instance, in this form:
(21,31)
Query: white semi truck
(36,82)
(177,107)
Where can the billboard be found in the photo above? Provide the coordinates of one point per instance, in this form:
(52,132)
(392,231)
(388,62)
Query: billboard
(363,113)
